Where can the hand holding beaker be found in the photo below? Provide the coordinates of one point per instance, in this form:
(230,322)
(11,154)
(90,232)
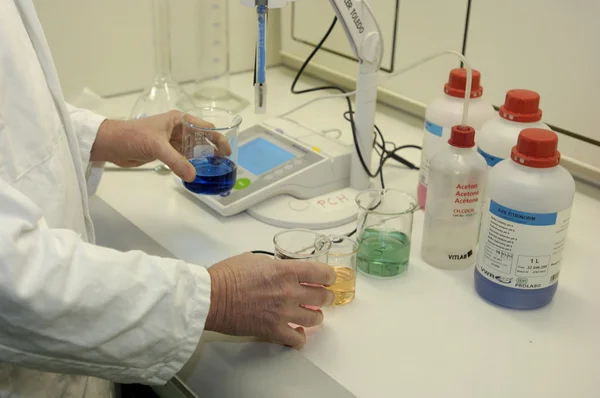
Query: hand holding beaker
(132,143)
(253,295)
(209,138)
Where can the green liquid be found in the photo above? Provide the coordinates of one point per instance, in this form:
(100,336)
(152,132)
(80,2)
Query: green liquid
(383,254)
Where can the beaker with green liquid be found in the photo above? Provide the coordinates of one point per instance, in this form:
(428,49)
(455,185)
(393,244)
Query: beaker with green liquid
(385,220)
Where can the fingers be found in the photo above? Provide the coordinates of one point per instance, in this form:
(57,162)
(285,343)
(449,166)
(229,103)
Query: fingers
(290,337)
(220,141)
(176,162)
(316,296)
(315,273)
(305,317)
(196,122)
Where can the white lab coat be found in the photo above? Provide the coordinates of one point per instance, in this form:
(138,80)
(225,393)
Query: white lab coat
(67,306)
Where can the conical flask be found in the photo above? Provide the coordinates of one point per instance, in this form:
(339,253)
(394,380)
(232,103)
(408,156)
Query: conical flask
(165,94)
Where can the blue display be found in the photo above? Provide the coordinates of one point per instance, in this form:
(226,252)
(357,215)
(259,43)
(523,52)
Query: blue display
(260,156)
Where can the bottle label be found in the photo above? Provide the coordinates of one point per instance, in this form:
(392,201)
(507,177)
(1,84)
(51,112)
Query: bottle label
(521,250)
(436,137)
(433,128)
(490,159)
(467,202)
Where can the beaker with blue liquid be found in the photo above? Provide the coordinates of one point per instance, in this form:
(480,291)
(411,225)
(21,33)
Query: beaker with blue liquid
(210,143)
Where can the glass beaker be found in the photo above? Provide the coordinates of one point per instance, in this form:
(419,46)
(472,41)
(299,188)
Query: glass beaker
(165,94)
(212,35)
(302,244)
(384,231)
(210,143)
(342,258)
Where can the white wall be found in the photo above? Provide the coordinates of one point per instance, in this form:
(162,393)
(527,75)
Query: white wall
(546,45)
(421,30)
(107,45)
(556,54)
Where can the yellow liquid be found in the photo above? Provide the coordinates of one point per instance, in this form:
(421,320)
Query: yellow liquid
(345,285)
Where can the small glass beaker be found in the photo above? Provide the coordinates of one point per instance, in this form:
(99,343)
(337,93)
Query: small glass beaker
(210,143)
(384,231)
(302,244)
(342,258)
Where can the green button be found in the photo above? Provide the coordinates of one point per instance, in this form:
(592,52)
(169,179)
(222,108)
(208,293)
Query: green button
(242,183)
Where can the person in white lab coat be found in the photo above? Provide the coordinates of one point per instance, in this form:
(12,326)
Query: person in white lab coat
(75,316)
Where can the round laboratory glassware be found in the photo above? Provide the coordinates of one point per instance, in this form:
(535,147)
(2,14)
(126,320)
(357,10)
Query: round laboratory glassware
(165,94)
(302,244)
(210,143)
(384,231)
(342,258)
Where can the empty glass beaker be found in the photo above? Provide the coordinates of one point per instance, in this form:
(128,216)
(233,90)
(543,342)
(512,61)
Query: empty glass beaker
(302,244)
(210,143)
(384,231)
(342,257)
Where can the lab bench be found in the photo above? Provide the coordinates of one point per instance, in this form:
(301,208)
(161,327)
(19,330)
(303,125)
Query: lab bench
(426,334)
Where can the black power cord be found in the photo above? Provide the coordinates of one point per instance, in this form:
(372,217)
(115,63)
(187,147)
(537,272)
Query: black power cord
(384,154)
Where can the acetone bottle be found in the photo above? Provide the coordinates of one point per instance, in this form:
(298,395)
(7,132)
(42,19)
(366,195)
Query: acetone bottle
(457,181)
(444,113)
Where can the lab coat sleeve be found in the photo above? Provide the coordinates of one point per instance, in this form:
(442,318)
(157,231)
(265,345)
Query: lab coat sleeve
(85,125)
(71,307)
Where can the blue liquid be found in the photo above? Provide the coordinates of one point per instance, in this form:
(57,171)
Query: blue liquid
(513,298)
(214,176)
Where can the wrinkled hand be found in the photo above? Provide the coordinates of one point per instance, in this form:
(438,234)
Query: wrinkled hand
(254,295)
(133,143)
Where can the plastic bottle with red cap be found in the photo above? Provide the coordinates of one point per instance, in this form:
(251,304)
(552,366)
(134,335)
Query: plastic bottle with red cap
(524,224)
(444,113)
(457,180)
(496,138)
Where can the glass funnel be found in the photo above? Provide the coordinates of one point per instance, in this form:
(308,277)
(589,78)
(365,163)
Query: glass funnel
(165,94)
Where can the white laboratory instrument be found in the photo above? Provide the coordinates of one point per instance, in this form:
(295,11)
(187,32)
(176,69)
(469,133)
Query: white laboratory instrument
(290,176)
(365,37)
(285,175)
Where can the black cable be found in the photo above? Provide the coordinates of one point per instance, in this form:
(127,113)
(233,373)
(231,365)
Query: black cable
(384,155)
(262,252)
(382,146)
(349,102)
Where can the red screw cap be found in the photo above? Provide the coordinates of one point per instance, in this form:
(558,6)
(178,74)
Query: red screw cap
(536,148)
(462,137)
(457,83)
(521,106)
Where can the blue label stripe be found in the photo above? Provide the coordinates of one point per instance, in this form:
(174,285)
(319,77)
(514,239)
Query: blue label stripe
(490,159)
(434,128)
(521,217)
